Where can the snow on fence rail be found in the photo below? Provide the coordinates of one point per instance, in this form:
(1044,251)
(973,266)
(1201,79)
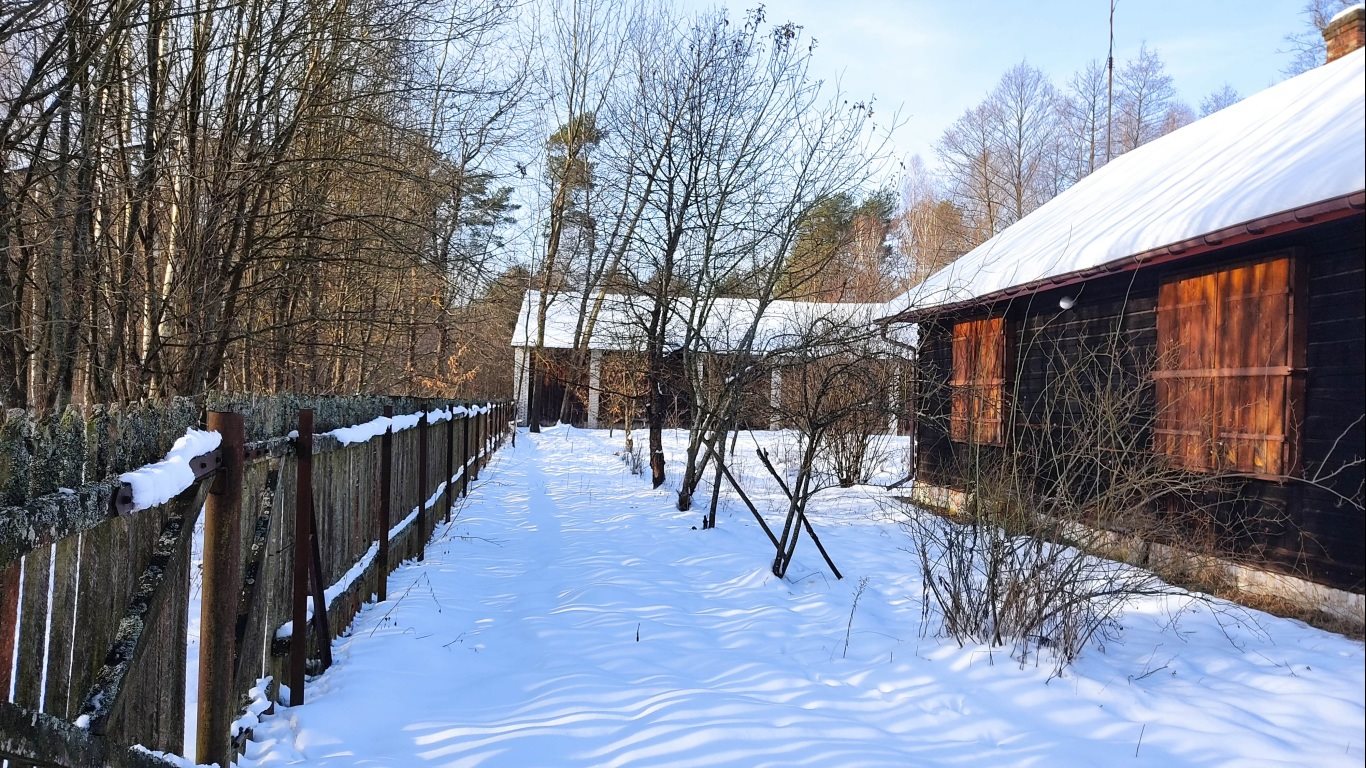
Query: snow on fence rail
(94,590)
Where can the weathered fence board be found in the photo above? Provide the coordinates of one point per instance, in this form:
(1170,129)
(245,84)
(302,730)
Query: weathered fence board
(144,703)
(262,492)
(15,456)
(62,635)
(33,628)
(10,577)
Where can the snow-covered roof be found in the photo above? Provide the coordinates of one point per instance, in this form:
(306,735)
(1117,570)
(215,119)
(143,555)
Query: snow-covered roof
(1296,144)
(623,319)
(620,323)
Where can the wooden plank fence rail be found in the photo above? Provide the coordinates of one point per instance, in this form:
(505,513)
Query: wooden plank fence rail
(94,594)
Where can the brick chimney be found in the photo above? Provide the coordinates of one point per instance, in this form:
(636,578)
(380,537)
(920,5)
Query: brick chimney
(1346,32)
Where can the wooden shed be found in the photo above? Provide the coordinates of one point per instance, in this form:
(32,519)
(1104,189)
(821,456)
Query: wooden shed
(1212,280)
(702,337)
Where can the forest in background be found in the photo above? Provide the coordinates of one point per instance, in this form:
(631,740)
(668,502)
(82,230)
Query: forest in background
(323,196)
(257,195)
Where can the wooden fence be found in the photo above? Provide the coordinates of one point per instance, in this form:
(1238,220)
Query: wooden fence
(94,596)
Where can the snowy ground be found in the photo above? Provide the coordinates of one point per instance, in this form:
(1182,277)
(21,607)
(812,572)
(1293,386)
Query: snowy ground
(570,616)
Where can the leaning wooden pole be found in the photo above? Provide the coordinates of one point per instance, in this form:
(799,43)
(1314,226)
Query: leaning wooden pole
(303,551)
(321,629)
(721,465)
(386,468)
(785,552)
(222,579)
(806,523)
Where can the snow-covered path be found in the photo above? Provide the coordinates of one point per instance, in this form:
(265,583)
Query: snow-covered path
(570,616)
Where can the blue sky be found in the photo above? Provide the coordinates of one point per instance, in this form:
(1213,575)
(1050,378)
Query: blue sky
(935,58)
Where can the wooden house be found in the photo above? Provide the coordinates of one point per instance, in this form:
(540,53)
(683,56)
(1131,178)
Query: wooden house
(1216,274)
(705,336)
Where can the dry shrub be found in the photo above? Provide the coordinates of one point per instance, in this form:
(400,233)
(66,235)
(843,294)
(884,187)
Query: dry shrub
(1018,566)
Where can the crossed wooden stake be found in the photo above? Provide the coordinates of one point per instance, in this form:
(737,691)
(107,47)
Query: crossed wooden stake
(786,546)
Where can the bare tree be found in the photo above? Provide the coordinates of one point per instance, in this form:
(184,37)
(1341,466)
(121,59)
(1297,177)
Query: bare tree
(929,229)
(967,151)
(776,147)
(1025,107)
(1179,115)
(583,51)
(1145,96)
(1026,141)
(999,157)
(722,132)
(1307,46)
(834,398)
(1082,118)
(1225,96)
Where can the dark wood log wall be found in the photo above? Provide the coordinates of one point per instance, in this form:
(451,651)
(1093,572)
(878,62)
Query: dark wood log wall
(1316,533)
(557,374)
(754,411)
(617,368)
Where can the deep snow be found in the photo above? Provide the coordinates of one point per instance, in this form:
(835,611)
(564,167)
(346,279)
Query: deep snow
(570,616)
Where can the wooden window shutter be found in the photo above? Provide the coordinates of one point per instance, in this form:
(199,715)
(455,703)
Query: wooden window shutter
(960,381)
(977,387)
(1230,369)
(1185,388)
(1253,394)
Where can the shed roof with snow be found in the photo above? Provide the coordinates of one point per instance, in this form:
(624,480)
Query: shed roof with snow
(1277,160)
(622,321)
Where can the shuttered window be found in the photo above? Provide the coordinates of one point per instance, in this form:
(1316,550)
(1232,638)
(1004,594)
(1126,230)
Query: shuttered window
(977,387)
(1230,369)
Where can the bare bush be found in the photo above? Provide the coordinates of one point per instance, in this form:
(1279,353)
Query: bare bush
(857,444)
(833,393)
(1024,563)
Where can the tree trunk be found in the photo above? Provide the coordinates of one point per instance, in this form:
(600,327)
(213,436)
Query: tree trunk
(533,390)
(656,416)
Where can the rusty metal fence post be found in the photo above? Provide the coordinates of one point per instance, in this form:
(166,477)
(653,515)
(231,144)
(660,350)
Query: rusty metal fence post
(303,518)
(465,454)
(478,446)
(386,467)
(217,705)
(450,469)
(422,489)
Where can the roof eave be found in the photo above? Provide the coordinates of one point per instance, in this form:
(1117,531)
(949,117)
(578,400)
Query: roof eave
(1272,225)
